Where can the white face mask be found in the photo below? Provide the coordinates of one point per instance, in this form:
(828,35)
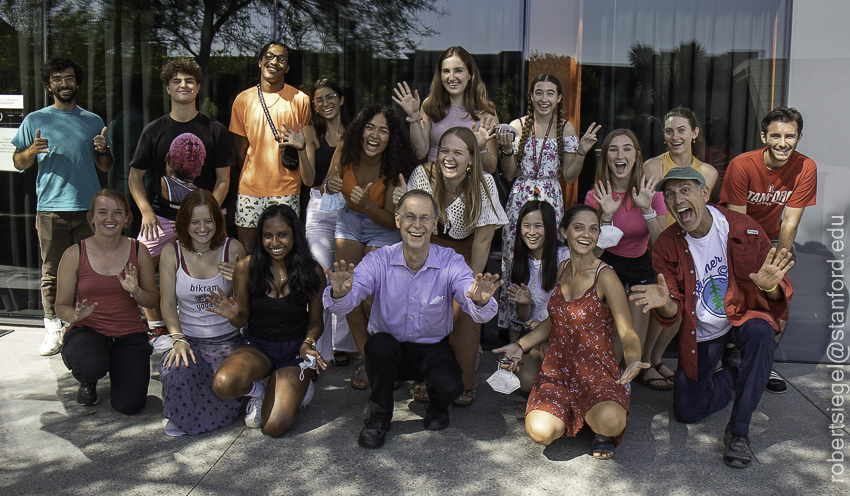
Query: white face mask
(503,381)
(332,202)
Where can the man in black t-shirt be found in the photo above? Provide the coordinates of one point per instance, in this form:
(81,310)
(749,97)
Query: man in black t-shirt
(182,79)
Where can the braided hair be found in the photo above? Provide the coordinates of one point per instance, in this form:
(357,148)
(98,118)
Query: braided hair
(529,118)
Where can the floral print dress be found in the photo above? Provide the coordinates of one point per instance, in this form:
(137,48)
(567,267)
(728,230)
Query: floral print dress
(580,368)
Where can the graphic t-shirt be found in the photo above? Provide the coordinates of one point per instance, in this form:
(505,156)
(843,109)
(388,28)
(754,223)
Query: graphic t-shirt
(67,176)
(712,274)
(767,192)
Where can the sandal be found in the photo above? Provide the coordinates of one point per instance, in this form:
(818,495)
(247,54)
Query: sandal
(603,447)
(417,390)
(359,379)
(656,383)
(466,398)
(671,378)
(341,358)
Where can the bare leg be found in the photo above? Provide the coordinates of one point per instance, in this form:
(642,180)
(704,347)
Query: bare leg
(607,418)
(236,375)
(246,237)
(543,427)
(280,409)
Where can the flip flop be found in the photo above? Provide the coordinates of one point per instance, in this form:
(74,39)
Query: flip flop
(341,358)
(656,383)
(359,379)
(417,390)
(669,377)
(603,447)
(466,398)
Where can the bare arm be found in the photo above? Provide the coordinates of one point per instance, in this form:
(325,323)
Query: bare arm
(710,175)
(737,208)
(510,169)
(481,240)
(137,189)
(24,159)
(167,285)
(788,231)
(490,157)
(307,156)
(610,290)
(104,161)
(147,280)
(222,184)
(66,286)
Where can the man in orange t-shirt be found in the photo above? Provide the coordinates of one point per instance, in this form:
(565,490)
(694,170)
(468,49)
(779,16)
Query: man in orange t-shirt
(774,185)
(264,180)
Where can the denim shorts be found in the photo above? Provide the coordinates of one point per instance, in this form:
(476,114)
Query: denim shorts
(356,226)
(281,353)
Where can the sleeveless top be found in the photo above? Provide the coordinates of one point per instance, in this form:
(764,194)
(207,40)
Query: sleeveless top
(667,164)
(455,116)
(376,193)
(191,294)
(323,157)
(176,190)
(117,313)
(277,319)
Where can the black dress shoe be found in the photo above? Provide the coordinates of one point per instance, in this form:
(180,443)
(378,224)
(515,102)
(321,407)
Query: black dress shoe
(87,394)
(436,419)
(374,433)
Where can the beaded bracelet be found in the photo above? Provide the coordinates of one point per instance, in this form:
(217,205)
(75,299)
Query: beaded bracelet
(414,119)
(137,294)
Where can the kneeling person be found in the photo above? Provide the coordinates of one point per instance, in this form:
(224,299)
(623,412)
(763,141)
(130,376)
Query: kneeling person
(413,283)
(741,293)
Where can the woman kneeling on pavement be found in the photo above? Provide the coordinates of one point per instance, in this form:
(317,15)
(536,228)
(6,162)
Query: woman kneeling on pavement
(580,380)
(101,283)
(201,260)
(277,292)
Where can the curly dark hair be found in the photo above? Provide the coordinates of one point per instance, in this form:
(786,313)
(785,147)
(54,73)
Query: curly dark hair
(58,65)
(184,65)
(303,281)
(397,158)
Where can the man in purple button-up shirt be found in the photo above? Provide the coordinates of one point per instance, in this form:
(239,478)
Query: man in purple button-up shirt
(413,284)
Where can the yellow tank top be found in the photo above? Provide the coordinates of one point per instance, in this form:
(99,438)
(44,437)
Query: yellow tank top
(667,164)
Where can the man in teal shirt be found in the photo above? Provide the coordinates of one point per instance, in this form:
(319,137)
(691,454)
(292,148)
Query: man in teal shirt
(68,142)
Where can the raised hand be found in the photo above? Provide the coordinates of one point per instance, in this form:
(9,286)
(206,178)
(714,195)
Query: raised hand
(151,226)
(774,268)
(520,295)
(484,130)
(587,142)
(226,268)
(83,309)
(39,144)
(223,305)
(632,371)
(130,280)
(294,139)
(360,196)
(399,190)
(505,139)
(643,197)
(100,142)
(180,351)
(484,288)
(408,101)
(651,295)
(340,278)
(604,196)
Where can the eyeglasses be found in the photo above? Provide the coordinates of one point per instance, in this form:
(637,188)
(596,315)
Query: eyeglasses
(269,56)
(424,219)
(329,98)
(66,79)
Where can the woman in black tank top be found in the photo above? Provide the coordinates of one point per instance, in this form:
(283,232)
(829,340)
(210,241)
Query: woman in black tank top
(277,292)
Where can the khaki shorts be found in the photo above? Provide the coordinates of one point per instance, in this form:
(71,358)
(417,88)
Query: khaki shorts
(249,208)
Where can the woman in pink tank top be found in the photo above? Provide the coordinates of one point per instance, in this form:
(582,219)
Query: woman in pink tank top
(102,281)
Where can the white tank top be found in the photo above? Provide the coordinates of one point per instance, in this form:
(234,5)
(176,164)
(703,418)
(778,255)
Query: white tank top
(195,320)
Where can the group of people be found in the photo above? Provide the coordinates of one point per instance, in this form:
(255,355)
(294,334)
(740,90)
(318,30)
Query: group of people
(390,259)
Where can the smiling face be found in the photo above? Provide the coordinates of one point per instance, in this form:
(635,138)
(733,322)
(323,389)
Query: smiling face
(545,97)
(416,220)
(109,216)
(182,88)
(685,200)
(277,237)
(327,103)
(201,226)
(621,157)
(63,85)
(781,140)
(376,136)
(533,233)
(678,135)
(272,68)
(582,233)
(455,75)
(454,157)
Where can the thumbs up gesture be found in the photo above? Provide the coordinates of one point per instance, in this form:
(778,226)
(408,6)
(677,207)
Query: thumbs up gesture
(100,142)
(399,190)
(360,196)
(39,144)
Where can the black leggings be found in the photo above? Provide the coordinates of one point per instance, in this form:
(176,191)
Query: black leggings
(89,355)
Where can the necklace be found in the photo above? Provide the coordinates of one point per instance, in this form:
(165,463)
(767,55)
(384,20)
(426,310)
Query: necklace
(538,161)
(201,253)
(330,134)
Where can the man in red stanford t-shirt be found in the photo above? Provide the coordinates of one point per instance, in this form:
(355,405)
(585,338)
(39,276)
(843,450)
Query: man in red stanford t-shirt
(766,182)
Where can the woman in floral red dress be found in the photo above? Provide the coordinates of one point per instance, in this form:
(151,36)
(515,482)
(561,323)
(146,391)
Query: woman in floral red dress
(580,381)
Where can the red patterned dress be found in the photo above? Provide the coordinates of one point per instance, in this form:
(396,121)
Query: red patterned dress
(580,368)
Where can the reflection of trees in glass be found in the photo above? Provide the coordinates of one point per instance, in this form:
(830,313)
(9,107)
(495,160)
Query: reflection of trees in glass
(507,99)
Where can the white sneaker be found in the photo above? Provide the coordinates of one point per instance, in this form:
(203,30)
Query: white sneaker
(52,343)
(309,396)
(254,412)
